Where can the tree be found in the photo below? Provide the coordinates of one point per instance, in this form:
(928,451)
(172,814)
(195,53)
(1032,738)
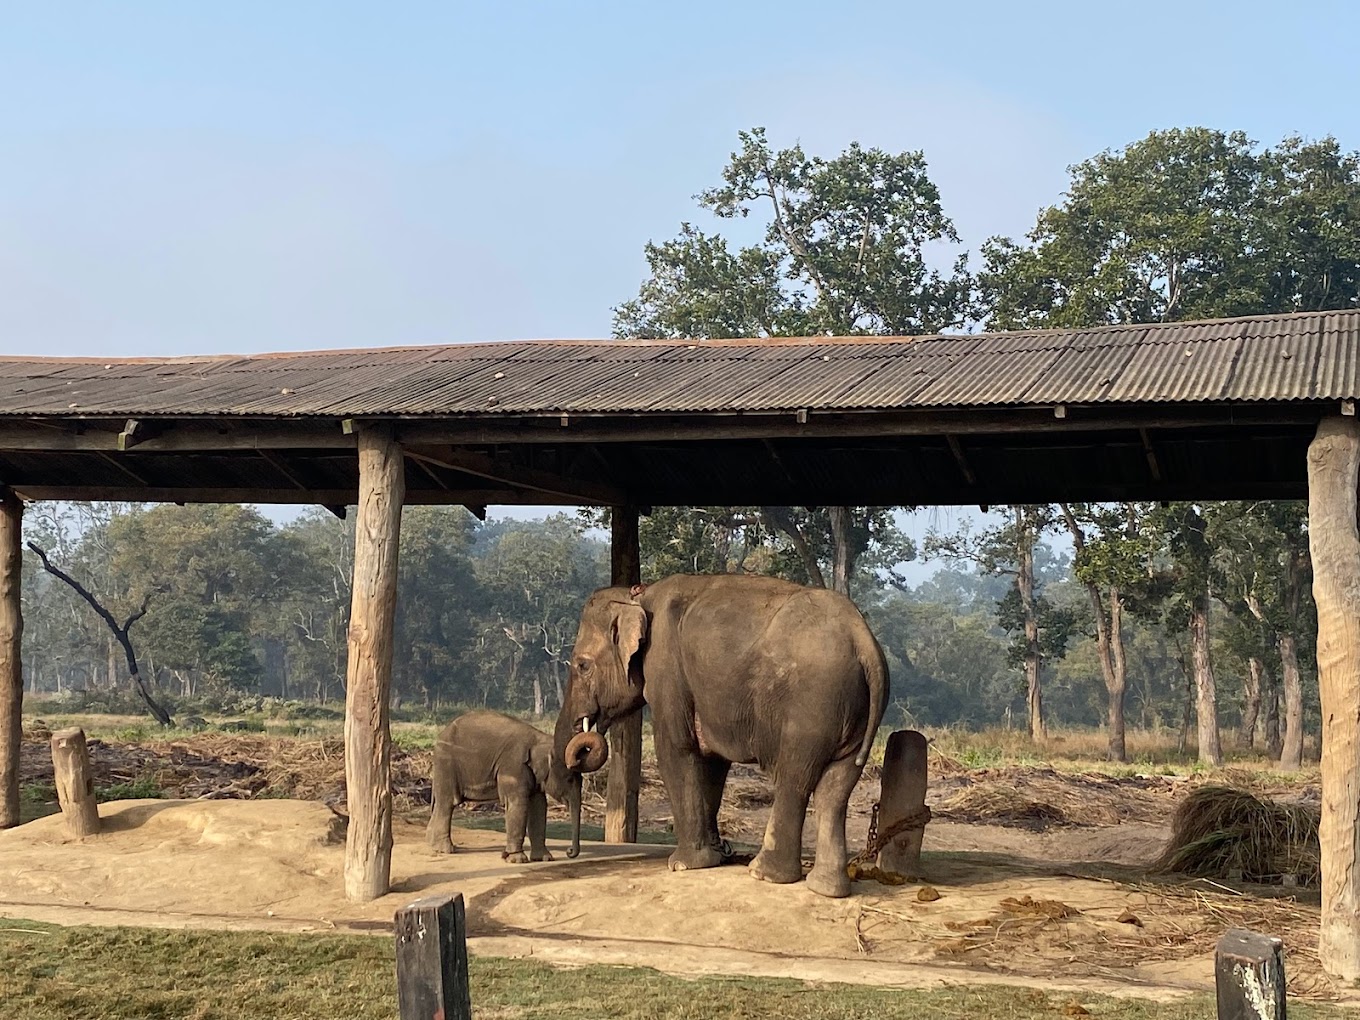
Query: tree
(1041,628)
(842,253)
(1113,555)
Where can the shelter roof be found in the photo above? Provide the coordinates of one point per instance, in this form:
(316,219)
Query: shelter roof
(1216,409)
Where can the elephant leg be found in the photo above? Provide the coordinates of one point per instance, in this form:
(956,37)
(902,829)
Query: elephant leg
(781,853)
(538,827)
(828,876)
(686,779)
(516,821)
(444,798)
(714,780)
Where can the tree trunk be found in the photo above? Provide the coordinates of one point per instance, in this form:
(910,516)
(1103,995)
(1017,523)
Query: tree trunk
(1251,704)
(368,680)
(1270,729)
(1291,753)
(1024,581)
(1118,683)
(842,548)
(625,736)
(778,517)
(1206,695)
(1333,473)
(11,663)
(538,694)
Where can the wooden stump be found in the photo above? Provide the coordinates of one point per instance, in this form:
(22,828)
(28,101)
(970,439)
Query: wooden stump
(75,782)
(1333,471)
(368,741)
(903,800)
(1249,976)
(625,736)
(11,665)
(432,967)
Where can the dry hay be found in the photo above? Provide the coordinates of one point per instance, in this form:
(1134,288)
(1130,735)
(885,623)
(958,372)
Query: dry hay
(1038,798)
(1221,832)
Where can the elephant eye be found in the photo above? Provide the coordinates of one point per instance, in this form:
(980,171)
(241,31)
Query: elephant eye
(583,665)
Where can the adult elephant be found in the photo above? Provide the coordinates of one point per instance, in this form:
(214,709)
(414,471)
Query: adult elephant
(735,669)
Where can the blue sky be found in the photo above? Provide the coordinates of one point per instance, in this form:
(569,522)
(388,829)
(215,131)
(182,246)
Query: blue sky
(179,178)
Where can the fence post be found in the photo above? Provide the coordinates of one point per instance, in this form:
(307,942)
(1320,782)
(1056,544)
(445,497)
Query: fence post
(1249,976)
(432,965)
(75,782)
(902,800)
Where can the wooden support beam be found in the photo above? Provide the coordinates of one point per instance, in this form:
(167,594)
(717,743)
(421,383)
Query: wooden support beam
(1249,976)
(133,434)
(317,497)
(965,469)
(368,677)
(1334,542)
(11,664)
(338,512)
(625,735)
(1154,466)
(515,476)
(432,964)
(477,510)
(117,463)
(273,461)
(75,782)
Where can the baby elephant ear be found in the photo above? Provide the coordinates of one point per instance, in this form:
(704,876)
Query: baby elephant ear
(540,761)
(630,630)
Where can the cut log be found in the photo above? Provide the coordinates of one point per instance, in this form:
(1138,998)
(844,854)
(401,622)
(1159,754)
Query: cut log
(625,736)
(432,964)
(902,803)
(368,741)
(11,664)
(1333,472)
(75,782)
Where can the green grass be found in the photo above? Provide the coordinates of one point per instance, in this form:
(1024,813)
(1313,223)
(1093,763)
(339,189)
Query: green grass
(53,973)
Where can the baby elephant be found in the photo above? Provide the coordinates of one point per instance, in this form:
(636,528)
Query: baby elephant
(487,756)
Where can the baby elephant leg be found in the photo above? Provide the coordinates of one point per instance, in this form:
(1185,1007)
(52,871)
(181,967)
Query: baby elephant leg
(538,827)
(516,800)
(445,797)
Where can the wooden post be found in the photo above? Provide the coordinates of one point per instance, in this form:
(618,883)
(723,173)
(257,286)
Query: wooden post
(368,678)
(625,736)
(75,782)
(432,964)
(11,665)
(902,799)
(1249,976)
(1333,472)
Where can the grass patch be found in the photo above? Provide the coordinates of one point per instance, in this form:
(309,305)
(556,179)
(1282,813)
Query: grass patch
(52,973)
(141,788)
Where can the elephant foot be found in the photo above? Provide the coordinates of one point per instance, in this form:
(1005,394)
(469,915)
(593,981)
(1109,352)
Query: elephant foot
(516,858)
(769,869)
(546,855)
(693,860)
(830,882)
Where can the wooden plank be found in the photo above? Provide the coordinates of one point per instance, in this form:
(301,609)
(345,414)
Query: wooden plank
(1249,976)
(316,497)
(572,490)
(625,735)
(902,802)
(11,662)
(75,782)
(368,677)
(72,433)
(432,964)
(1333,540)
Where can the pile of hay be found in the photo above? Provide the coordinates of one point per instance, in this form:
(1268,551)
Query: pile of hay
(1003,805)
(1221,832)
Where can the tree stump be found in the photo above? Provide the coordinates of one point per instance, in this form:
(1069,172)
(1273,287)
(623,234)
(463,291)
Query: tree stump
(902,803)
(75,782)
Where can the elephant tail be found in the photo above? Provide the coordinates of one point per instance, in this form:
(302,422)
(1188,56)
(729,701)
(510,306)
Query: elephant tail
(875,667)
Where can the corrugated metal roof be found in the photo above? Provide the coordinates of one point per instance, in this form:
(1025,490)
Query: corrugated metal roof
(1262,358)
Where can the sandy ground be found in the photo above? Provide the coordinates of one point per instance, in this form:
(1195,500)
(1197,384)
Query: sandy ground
(277,864)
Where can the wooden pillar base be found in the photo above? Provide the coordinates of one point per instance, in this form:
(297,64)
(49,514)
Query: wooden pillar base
(75,782)
(902,801)
(432,964)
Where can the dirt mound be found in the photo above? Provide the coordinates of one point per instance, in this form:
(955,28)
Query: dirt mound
(1042,797)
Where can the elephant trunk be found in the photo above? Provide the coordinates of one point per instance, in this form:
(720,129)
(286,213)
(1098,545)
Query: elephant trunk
(587,752)
(574,806)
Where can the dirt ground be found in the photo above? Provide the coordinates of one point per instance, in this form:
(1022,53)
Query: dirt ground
(1040,878)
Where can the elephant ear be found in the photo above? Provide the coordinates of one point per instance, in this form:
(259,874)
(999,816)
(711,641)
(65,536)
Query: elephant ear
(540,762)
(629,631)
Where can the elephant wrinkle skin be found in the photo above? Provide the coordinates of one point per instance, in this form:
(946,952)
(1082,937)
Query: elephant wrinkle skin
(486,756)
(735,669)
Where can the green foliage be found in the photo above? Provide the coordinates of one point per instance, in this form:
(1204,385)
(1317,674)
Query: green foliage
(141,788)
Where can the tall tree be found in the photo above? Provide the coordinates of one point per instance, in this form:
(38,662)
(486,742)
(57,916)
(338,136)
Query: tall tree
(843,252)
